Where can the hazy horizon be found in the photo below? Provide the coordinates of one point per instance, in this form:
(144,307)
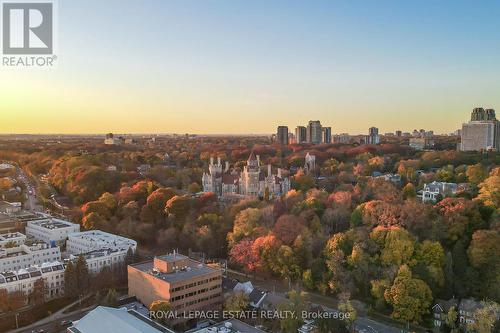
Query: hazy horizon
(217,67)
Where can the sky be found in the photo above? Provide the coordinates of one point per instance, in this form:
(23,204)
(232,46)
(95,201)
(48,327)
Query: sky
(234,66)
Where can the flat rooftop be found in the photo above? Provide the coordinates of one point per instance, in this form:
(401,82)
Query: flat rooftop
(52,223)
(104,239)
(11,235)
(98,253)
(193,270)
(228,326)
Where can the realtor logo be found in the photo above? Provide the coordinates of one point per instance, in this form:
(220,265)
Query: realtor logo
(27,28)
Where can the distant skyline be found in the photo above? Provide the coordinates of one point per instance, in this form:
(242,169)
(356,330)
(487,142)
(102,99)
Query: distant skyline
(238,67)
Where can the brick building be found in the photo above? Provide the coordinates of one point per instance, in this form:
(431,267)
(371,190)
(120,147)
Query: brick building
(186,284)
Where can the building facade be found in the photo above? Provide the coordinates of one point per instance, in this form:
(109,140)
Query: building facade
(482,132)
(24,256)
(341,138)
(186,284)
(99,259)
(421,143)
(309,163)
(431,191)
(92,240)
(12,238)
(24,280)
(252,181)
(51,230)
(282,135)
(327,135)
(373,137)
(314,132)
(300,134)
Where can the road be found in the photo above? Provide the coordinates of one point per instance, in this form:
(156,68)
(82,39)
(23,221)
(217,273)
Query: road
(278,295)
(54,326)
(31,200)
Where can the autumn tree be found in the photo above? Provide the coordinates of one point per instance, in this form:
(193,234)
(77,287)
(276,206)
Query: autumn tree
(476,173)
(396,245)
(302,181)
(70,280)
(38,294)
(489,189)
(410,298)
(409,191)
(160,306)
(178,206)
(246,224)
(294,306)
(236,302)
(485,318)
(288,227)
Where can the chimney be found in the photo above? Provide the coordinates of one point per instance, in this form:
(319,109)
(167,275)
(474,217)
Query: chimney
(279,172)
(211,160)
(227,167)
(269,170)
(258,160)
(218,160)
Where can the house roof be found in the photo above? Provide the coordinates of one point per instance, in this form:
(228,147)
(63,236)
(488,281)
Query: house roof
(444,306)
(228,284)
(257,295)
(252,156)
(469,304)
(230,179)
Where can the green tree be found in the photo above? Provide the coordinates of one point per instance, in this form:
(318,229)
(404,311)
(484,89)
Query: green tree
(82,273)
(409,191)
(70,280)
(111,298)
(476,173)
(409,297)
(345,306)
(236,302)
(294,304)
(485,318)
(331,325)
(451,318)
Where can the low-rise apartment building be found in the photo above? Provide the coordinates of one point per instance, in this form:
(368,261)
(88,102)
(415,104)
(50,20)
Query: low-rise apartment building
(24,256)
(98,259)
(12,238)
(51,230)
(187,284)
(92,240)
(24,279)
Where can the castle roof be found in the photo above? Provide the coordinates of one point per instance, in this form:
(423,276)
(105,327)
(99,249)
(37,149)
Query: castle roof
(252,156)
(230,179)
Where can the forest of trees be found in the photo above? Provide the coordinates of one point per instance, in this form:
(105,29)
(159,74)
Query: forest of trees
(349,235)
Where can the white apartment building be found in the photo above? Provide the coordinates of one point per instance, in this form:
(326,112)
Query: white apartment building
(12,238)
(92,240)
(24,256)
(98,259)
(24,279)
(51,230)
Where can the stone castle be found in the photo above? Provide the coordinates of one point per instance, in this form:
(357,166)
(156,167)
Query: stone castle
(252,181)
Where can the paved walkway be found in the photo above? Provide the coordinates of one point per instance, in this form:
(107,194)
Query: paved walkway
(53,317)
